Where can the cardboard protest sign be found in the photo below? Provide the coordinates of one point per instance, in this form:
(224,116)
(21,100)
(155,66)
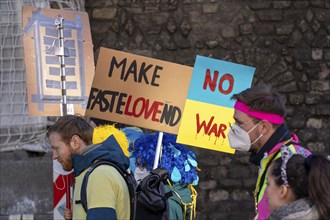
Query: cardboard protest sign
(208,109)
(43,64)
(138,91)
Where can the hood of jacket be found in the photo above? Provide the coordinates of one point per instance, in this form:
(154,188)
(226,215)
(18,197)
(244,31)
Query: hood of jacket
(109,150)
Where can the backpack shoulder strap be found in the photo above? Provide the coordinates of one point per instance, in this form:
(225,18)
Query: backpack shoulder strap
(129,179)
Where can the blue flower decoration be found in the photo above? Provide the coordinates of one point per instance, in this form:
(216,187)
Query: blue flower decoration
(176,158)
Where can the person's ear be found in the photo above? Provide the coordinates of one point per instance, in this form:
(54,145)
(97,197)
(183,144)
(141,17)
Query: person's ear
(287,195)
(75,142)
(265,127)
(284,190)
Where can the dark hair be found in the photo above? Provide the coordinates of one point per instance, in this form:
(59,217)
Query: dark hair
(262,98)
(296,173)
(319,182)
(69,125)
(310,179)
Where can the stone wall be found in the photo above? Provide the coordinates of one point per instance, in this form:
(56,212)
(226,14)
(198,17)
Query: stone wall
(287,41)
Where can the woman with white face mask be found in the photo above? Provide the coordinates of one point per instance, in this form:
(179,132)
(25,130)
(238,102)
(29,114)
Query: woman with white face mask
(260,129)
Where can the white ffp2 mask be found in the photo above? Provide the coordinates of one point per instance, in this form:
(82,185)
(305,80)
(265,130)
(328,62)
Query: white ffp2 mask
(239,139)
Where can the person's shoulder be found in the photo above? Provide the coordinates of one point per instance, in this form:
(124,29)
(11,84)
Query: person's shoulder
(105,172)
(309,213)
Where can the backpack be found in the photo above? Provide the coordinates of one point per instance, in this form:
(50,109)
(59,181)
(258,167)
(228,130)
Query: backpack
(152,199)
(148,199)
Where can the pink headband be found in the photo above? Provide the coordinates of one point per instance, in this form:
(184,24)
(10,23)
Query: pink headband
(272,118)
